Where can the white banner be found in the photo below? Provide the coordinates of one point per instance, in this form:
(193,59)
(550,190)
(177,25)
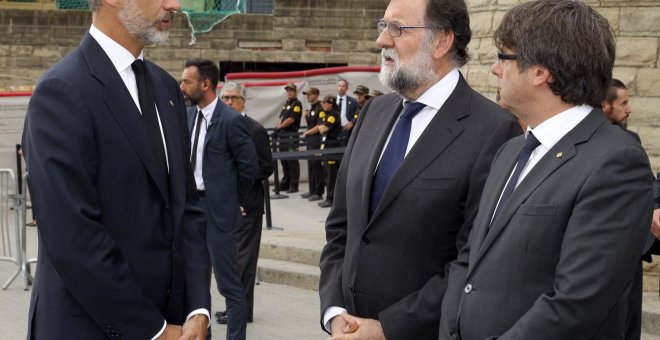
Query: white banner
(266,95)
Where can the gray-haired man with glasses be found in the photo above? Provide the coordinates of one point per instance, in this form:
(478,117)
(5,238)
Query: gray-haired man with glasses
(410,181)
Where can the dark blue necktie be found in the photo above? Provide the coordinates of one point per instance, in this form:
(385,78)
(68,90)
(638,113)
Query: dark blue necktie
(393,154)
(530,144)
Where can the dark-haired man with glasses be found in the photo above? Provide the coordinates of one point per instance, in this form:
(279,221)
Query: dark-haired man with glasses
(410,180)
(565,209)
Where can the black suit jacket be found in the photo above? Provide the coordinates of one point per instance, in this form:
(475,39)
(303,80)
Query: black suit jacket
(392,267)
(557,260)
(253,202)
(117,253)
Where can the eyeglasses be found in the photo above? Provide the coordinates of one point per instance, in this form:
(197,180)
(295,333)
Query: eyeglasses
(233,98)
(502,56)
(395,28)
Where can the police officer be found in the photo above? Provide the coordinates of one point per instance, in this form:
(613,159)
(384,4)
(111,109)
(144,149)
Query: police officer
(330,128)
(287,126)
(313,138)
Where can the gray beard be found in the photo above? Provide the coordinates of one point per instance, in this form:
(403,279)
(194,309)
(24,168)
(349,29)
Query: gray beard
(139,26)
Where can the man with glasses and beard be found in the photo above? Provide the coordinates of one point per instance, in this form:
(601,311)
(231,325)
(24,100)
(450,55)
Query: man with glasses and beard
(122,238)
(410,180)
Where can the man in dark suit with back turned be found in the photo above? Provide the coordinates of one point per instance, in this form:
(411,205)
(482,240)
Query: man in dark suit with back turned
(565,210)
(122,237)
(390,239)
(224,163)
(252,205)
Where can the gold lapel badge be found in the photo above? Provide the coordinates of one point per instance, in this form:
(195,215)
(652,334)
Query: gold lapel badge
(559,154)
(171,103)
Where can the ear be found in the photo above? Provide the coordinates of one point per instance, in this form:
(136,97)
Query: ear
(444,40)
(607,107)
(206,84)
(541,75)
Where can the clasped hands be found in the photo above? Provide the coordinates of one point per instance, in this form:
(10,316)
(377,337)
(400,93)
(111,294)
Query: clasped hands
(349,327)
(193,329)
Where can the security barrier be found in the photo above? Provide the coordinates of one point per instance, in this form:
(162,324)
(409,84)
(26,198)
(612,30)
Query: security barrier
(12,227)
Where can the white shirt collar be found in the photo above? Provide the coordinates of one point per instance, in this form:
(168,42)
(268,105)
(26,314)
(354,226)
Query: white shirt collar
(208,110)
(437,94)
(120,57)
(553,129)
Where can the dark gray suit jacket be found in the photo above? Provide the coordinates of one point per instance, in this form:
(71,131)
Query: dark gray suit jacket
(392,267)
(230,164)
(557,259)
(118,253)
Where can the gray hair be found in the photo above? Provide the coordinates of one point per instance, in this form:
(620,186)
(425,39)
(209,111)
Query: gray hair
(230,86)
(94,5)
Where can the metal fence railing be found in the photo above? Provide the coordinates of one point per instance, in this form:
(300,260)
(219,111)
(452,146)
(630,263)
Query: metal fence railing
(13,227)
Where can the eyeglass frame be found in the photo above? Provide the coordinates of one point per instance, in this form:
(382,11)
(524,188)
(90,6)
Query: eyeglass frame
(504,56)
(233,98)
(381,26)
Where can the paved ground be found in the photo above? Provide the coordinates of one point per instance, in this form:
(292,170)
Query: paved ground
(281,312)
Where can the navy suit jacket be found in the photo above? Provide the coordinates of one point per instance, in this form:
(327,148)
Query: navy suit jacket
(230,164)
(117,254)
(351,108)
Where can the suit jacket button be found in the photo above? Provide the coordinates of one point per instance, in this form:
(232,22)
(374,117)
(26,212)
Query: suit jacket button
(468,288)
(365,240)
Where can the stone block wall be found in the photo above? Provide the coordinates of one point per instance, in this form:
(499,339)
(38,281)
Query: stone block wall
(334,32)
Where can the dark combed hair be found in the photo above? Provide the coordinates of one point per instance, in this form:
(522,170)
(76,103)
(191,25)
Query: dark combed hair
(570,39)
(206,69)
(452,15)
(615,85)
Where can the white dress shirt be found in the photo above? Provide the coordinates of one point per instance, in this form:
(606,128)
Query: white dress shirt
(342,109)
(122,59)
(549,133)
(433,98)
(207,112)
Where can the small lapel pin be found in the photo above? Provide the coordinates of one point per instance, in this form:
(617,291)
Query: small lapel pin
(171,103)
(559,154)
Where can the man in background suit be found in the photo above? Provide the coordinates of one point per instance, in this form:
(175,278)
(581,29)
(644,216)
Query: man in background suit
(389,240)
(121,235)
(347,107)
(224,163)
(252,205)
(551,255)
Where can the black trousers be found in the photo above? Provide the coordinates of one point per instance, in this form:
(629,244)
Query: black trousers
(291,175)
(249,241)
(316,178)
(331,168)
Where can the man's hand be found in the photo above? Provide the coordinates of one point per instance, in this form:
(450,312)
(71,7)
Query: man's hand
(346,326)
(172,332)
(195,328)
(655,224)
(348,126)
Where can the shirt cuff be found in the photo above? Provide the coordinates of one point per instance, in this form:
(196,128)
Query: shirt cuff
(330,313)
(161,331)
(202,311)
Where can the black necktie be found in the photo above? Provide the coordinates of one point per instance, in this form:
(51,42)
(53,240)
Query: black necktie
(340,108)
(530,144)
(148,108)
(393,154)
(198,127)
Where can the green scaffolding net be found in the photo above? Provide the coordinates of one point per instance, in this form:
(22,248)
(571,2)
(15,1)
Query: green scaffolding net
(202,14)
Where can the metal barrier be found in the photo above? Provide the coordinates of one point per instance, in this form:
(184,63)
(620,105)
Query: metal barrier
(12,227)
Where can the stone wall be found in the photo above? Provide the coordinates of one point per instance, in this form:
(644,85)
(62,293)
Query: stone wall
(334,32)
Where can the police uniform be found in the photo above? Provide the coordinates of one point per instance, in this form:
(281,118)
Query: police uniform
(291,168)
(331,139)
(316,180)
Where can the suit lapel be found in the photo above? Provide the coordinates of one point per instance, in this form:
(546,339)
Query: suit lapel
(214,122)
(119,102)
(443,129)
(557,156)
